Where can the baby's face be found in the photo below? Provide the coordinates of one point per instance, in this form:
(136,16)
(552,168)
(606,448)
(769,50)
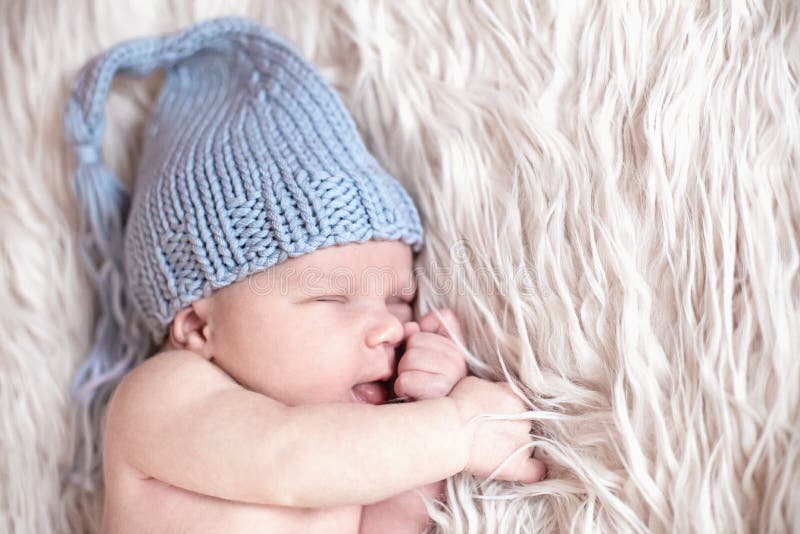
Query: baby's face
(310,329)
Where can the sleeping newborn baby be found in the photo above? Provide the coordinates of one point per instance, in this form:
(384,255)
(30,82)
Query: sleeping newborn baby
(265,412)
(270,258)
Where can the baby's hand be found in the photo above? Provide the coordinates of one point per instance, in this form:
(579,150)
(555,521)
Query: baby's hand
(432,364)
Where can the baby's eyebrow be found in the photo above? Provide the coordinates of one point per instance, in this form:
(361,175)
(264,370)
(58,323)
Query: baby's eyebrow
(310,281)
(316,280)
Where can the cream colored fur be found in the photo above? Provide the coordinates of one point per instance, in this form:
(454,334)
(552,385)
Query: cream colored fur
(611,189)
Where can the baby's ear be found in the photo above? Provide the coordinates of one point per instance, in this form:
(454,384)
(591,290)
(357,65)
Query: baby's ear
(190,329)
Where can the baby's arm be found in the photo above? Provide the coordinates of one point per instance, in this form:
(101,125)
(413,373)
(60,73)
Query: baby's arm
(181,420)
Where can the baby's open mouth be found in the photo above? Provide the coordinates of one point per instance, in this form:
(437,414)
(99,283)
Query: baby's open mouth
(371,392)
(379,391)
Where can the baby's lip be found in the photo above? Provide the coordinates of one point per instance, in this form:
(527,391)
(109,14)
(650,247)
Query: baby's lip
(370,392)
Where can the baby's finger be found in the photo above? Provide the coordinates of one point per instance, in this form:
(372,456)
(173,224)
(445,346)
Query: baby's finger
(431,341)
(421,385)
(431,323)
(409,329)
(527,471)
(433,360)
(439,351)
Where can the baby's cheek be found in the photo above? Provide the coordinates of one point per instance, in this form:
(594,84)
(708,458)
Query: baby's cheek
(403,312)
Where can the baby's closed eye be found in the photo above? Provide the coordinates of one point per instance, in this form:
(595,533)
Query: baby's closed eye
(331,298)
(398,306)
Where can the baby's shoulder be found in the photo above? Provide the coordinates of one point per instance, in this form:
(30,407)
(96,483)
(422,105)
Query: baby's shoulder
(169,377)
(177,368)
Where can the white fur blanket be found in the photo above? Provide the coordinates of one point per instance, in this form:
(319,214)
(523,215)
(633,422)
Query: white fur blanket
(611,197)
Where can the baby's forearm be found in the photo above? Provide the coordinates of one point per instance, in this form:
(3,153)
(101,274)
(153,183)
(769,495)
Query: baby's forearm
(343,454)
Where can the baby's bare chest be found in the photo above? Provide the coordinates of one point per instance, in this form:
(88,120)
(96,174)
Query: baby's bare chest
(137,505)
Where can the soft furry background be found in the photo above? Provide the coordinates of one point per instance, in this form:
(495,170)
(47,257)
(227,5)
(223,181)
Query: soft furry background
(610,190)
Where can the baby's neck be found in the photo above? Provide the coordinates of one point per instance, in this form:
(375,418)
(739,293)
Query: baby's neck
(168,345)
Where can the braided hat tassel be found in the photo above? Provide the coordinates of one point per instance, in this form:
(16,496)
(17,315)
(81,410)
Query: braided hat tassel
(119,342)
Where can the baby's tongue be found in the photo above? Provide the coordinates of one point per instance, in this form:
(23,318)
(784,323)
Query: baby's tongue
(372,392)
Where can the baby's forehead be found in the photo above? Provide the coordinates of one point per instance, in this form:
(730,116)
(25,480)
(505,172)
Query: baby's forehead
(374,267)
(374,277)
(318,277)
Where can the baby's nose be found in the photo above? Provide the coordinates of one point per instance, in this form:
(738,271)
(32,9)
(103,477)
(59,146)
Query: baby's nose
(387,329)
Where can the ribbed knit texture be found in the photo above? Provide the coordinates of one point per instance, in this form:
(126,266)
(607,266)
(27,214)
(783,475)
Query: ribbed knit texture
(250,159)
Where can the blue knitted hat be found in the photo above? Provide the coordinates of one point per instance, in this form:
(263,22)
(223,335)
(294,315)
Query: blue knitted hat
(250,159)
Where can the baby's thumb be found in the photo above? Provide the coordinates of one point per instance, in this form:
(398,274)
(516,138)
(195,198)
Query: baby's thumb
(533,470)
(410,328)
(529,471)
